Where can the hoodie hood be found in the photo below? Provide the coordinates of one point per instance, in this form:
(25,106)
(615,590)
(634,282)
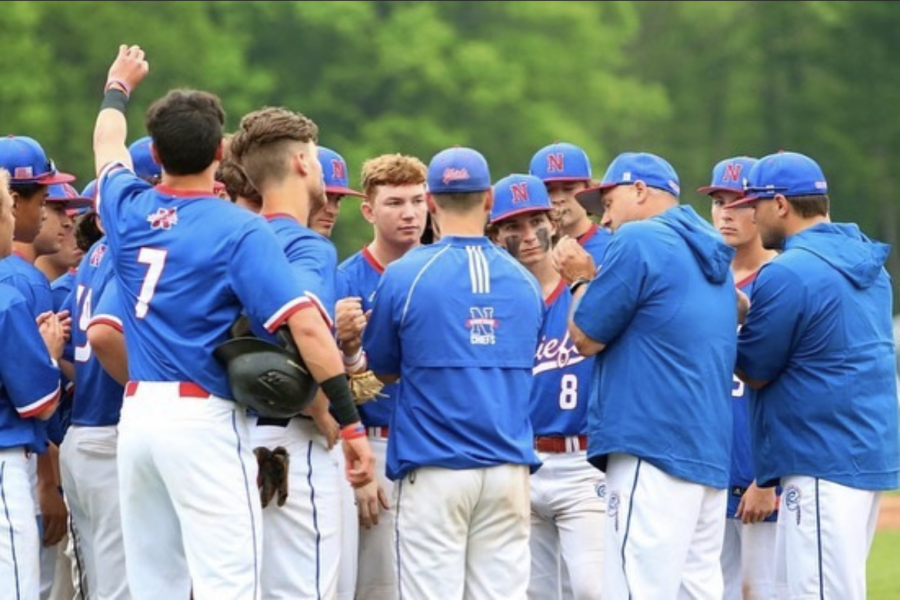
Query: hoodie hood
(706,244)
(844,247)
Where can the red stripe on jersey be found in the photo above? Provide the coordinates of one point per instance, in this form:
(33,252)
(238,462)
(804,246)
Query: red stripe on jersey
(283,314)
(372,261)
(38,406)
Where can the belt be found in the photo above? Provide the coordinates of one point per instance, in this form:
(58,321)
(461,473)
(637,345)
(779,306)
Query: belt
(262,421)
(559,444)
(186,389)
(378,432)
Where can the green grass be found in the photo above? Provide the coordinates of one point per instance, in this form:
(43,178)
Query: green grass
(883,581)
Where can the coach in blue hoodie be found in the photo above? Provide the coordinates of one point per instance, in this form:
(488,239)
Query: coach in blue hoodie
(661,314)
(818,345)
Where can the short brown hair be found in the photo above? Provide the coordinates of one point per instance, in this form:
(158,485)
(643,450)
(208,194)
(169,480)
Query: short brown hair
(265,138)
(808,207)
(391,169)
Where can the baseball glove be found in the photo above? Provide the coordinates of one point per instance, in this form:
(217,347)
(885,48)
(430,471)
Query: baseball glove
(365,387)
(272,477)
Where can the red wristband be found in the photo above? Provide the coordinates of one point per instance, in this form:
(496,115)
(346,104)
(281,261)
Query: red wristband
(125,87)
(351,432)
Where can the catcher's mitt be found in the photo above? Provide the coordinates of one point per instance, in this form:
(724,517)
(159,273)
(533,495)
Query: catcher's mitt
(365,387)
(272,477)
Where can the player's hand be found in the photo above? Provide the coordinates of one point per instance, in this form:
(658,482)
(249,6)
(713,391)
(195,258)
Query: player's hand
(756,504)
(53,513)
(130,66)
(52,333)
(370,500)
(325,423)
(572,261)
(65,322)
(350,321)
(359,465)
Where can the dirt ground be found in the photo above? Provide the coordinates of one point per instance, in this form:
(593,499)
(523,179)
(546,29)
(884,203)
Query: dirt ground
(889,518)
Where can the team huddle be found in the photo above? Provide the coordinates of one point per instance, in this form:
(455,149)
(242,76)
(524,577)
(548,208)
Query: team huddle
(541,386)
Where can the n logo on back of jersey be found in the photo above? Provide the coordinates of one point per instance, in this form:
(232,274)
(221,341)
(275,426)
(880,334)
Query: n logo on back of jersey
(481,325)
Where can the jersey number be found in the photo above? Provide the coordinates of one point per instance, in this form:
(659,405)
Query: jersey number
(83,300)
(568,391)
(156,260)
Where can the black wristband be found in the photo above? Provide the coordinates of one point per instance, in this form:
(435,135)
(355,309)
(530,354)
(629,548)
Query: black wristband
(116,99)
(343,408)
(577,284)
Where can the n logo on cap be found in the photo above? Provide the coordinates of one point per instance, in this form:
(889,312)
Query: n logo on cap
(732,172)
(519,192)
(556,162)
(337,169)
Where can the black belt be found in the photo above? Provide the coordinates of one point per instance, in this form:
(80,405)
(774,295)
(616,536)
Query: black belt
(263,421)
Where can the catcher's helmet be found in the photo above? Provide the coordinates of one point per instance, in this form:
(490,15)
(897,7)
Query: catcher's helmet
(266,377)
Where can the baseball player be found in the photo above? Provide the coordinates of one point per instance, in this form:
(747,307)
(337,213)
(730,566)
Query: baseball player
(90,443)
(186,265)
(566,170)
(818,346)
(748,551)
(567,505)
(458,322)
(302,536)
(334,170)
(38,232)
(394,203)
(29,392)
(662,309)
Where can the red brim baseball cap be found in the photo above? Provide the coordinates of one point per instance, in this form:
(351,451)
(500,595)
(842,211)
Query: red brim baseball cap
(343,191)
(743,201)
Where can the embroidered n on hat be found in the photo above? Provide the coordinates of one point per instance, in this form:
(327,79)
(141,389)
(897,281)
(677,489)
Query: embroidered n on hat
(785,173)
(27,162)
(517,194)
(729,175)
(334,169)
(560,162)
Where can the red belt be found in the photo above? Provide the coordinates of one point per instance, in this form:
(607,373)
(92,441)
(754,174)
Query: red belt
(560,444)
(186,389)
(378,432)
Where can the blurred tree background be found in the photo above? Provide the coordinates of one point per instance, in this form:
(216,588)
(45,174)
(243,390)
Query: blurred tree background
(692,81)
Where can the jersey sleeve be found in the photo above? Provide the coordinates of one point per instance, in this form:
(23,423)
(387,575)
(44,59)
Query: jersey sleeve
(28,375)
(381,337)
(612,298)
(314,265)
(115,184)
(269,295)
(108,308)
(766,338)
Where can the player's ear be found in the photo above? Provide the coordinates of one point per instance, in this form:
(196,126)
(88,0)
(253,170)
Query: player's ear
(367,210)
(220,151)
(488,200)
(429,202)
(783,206)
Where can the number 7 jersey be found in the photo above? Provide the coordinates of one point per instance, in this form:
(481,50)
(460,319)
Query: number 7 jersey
(185,264)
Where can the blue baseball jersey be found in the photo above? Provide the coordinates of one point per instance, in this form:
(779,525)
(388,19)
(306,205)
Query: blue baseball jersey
(562,376)
(664,305)
(742,474)
(313,260)
(62,416)
(594,241)
(29,382)
(359,276)
(458,321)
(820,332)
(186,264)
(97,400)
(61,287)
(30,281)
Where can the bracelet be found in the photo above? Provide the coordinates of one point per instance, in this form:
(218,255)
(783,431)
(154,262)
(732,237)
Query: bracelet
(125,87)
(573,287)
(351,432)
(355,363)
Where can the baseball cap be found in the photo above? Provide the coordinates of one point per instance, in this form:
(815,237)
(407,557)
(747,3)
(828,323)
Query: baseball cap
(27,162)
(334,168)
(728,175)
(142,159)
(627,168)
(785,173)
(560,162)
(517,194)
(90,190)
(458,170)
(68,196)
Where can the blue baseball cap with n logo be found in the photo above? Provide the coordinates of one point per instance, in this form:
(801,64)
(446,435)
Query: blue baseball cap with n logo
(560,162)
(518,194)
(728,175)
(334,170)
